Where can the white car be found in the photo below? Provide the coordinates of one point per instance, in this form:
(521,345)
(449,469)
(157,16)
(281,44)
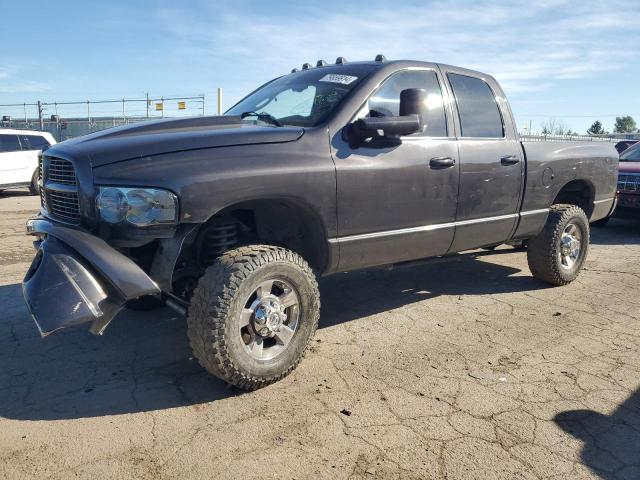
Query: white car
(19,157)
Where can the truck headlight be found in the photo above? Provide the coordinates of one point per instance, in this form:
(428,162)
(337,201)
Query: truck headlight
(138,206)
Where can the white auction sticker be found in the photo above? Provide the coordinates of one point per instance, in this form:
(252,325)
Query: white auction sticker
(335,78)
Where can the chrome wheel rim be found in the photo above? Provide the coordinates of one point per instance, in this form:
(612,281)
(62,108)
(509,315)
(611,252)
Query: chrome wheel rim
(269,319)
(570,246)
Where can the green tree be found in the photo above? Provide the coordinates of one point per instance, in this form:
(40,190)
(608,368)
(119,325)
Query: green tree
(596,128)
(625,124)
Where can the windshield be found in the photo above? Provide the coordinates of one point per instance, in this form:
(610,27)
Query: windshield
(304,98)
(631,154)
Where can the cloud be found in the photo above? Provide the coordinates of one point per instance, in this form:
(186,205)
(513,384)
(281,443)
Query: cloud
(11,81)
(526,47)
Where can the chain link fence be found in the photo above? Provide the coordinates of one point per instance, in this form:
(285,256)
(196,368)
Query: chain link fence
(66,120)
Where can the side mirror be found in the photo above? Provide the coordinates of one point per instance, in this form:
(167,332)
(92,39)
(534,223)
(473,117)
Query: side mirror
(413,101)
(386,131)
(383,131)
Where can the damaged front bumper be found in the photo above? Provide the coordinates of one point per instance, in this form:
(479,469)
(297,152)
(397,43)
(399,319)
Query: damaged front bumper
(78,278)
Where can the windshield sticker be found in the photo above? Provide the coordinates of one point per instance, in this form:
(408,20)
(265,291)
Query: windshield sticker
(335,78)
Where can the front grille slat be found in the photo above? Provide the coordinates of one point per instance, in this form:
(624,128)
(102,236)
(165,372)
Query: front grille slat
(62,205)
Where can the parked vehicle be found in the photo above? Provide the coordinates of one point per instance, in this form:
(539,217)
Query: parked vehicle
(229,219)
(629,182)
(624,144)
(19,157)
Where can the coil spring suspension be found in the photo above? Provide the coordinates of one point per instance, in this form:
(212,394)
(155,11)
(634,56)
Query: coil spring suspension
(216,240)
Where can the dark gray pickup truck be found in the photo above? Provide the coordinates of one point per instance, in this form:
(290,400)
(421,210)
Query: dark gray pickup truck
(229,219)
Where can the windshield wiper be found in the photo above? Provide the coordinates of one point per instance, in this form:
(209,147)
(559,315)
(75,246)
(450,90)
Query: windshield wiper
(265,117)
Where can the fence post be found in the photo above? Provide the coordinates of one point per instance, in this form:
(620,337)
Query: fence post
(40,119)
(147,104)
(219,101)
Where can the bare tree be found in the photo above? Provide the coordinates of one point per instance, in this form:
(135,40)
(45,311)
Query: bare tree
(553,126)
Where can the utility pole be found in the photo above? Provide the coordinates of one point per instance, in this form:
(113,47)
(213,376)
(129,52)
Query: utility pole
(40,119)
(219,101)
(147,104)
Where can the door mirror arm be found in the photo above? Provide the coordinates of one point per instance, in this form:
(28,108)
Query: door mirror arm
(387,131)
(381,131)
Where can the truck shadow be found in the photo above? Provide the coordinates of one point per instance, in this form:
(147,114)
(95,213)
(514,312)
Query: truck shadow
(611,442)
(143,362)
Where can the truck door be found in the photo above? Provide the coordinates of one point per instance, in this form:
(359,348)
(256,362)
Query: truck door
(491,163)
(398,203)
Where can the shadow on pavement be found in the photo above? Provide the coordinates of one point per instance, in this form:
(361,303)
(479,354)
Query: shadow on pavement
(22,192)
(611,442)
(143,361)
(619,231)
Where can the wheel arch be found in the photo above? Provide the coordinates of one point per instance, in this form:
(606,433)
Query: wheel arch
(283,221)
(579,192)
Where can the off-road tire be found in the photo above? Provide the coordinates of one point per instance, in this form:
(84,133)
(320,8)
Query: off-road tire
(34,188)
(219,298)
(543,251)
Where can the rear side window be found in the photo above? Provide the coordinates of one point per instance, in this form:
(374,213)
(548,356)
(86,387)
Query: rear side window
(385,102)
(9,143)
(33,142)
(479,112)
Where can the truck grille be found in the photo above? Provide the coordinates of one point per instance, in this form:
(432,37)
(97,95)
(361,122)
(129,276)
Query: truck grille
(629,183)
(59,194)
(61,171)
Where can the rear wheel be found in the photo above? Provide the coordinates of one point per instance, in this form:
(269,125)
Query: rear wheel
(253,314)
(557,254)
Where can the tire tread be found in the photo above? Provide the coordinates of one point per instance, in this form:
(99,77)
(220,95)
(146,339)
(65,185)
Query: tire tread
(211,303)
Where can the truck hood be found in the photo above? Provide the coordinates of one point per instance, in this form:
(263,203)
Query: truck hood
(629,167)
(156,137)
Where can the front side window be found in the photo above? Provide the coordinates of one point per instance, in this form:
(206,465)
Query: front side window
(631,154)
(477,107)
(385,102)
(33,142)
(303,98)
(9,143)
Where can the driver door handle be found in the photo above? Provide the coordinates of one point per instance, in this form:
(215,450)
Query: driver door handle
(509,160)
(442,162)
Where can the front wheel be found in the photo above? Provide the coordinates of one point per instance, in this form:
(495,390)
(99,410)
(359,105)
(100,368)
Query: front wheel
(34,188)
(253,314)
(557,254)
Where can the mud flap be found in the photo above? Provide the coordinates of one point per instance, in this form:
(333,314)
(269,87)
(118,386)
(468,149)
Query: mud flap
(61,290)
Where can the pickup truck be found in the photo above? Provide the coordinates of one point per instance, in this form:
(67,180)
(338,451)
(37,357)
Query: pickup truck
(229,220)
(629,183)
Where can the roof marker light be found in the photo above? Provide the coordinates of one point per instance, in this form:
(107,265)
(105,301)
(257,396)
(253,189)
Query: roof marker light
(306,66)
(341,61)
(294,70)
(380,58)
(321,63)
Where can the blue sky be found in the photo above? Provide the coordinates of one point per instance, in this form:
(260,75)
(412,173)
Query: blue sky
(574,61)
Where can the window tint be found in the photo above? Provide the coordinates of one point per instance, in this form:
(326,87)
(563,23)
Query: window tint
(9,143)
(386,100)
(33,142)
(477,107)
